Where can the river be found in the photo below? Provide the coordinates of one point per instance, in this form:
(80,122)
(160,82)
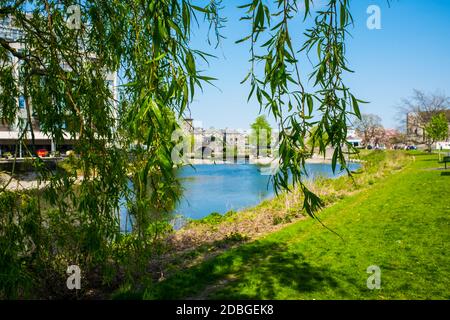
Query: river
(220,188)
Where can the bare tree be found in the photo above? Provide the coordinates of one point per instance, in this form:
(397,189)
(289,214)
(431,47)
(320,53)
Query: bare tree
(370,128)
(417,111)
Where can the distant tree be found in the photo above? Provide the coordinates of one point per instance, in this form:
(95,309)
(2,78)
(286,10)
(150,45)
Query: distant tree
(379,136)
(423,107)
(436,129)
(261,134)
(370,128)
(394,137)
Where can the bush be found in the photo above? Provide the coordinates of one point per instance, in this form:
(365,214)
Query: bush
(7,155)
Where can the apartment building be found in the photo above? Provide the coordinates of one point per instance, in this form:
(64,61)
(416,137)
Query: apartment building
(10,132)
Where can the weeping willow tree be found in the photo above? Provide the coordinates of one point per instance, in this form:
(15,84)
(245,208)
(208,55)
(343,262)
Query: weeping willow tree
(61,72)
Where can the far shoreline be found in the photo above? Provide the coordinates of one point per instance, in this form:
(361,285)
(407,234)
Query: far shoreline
(263,161)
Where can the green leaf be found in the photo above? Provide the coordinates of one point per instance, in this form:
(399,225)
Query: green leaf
(176,28)
(190,62)
(343,15)
(204,10)
(309,100)
(259,19)
(306,9)
(186,16)
(356,107)
(243,39)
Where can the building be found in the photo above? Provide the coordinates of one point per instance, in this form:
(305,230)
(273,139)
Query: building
(443,145)
(221,144)
(353,138)
(9,132)
(415,124)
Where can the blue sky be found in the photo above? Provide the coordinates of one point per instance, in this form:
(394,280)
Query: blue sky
(411,51)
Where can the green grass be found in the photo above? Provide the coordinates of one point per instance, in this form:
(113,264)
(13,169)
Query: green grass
(400,223)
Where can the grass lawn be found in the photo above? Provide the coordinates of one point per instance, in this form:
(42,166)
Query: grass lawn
(401,224)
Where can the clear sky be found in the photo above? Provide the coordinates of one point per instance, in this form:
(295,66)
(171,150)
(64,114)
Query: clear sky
(411,51)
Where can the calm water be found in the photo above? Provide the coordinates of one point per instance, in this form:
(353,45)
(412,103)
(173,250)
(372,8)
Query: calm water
(223,187)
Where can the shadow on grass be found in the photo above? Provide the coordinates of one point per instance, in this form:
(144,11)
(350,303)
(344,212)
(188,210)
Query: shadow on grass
(253,271)
(447,173)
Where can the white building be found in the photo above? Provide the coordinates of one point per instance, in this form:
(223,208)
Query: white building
(443,145)
(353,138)
(9,132)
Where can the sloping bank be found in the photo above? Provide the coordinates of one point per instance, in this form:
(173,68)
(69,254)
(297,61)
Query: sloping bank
(393,214)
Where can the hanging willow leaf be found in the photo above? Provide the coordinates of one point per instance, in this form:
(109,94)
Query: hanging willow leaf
(281,74)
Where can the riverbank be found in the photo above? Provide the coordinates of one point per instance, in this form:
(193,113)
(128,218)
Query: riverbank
(274,214)
(396,217)
(20,182)
(394,214)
